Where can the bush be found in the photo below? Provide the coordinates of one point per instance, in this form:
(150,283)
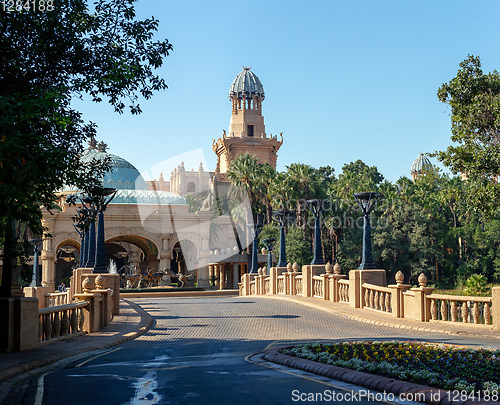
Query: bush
(477,285)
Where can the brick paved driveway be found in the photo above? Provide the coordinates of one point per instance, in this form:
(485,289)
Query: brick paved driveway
(251,318)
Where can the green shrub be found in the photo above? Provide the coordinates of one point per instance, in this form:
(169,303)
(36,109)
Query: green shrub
(477,285)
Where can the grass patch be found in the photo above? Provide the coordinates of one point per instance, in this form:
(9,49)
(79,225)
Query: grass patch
(439,366)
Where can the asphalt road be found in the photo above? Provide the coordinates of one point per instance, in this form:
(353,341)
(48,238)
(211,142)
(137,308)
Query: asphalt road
(202,351)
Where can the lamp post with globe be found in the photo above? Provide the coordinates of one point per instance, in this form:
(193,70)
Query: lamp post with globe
(283,216)
(35,280)
(366,202)
(316,207)
(100,201)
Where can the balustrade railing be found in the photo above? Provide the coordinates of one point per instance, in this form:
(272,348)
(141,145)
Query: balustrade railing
(318,286)
(376,297)
(281,284)
(465,309)
(267,285)
(298,284)
(398,300)
(60,322)
(56,299)
(344,291)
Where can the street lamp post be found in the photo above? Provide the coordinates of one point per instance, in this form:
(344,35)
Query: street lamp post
(269,244)
(100,203)
(90,211)
(282,216)
(316,207)
(35,280)
(367,202)
(256,227)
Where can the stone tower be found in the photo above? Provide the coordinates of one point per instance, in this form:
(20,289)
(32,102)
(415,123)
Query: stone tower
(247,132)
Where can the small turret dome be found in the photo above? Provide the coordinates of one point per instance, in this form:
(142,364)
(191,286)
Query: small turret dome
(421,162)
(246,83)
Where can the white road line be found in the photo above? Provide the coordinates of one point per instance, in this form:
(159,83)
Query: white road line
(40,389)
(95,357)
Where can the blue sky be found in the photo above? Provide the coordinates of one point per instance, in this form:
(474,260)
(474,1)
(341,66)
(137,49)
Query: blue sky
(344,80)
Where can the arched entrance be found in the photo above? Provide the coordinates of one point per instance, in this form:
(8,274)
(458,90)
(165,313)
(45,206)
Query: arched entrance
(66,259)
(132,250)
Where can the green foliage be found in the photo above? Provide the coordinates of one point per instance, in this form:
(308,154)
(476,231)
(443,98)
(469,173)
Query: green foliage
(298,249)
(46,60)
(474,98)
(477,285)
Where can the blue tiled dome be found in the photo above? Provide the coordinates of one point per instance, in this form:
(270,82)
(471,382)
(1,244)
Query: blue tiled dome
(122,174)
(132,188)
(420,163)
(246,83)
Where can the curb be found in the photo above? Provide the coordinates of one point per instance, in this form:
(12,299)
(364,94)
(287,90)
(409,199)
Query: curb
(399,388)
(144,325)
(434,329)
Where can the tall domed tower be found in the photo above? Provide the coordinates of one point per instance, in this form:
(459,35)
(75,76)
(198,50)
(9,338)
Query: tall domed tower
(247,132)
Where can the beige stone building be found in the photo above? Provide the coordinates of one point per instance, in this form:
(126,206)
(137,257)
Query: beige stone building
(148,224)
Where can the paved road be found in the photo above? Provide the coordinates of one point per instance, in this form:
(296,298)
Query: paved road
(199,351)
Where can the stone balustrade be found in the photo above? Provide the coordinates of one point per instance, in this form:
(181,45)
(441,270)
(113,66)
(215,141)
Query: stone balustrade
(377,298)
(56,299)
(60,322)
(464,309)
(367,289)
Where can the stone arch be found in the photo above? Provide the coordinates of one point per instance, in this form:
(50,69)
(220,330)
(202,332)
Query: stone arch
(191,187)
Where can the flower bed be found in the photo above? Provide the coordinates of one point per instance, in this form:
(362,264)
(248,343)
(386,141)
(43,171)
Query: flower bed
(440,366)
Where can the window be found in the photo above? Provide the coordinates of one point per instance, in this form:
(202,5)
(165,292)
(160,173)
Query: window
(250,130)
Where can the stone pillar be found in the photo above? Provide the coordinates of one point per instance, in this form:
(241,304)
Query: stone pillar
(397,300)
(47,256)
(495,306)
(18,324)
(222,275)
(236,276)
(39,293)
(308,272)
(92,315)
(273,279)
(357,278)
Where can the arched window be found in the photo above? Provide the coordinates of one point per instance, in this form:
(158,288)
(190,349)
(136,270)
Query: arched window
(191,187)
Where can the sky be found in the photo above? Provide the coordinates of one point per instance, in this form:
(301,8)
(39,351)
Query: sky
(344,80)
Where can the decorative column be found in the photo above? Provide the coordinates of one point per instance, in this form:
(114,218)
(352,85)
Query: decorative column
(282,216)
(316,207)
(48,265)
(36,279)
(101,202)
(366,202)
(269,244)
(256,227)
(236,276)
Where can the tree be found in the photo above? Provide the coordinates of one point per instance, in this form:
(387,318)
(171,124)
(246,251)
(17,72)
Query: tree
(46,59)
(474,98)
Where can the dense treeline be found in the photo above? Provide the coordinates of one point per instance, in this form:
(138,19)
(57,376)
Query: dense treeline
(418,226)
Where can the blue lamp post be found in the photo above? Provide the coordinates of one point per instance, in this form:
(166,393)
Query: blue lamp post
(256,227)
(367,202)
(282,216)
(35,280)
(90,247)
(316,207)
(100,203)
(269,244)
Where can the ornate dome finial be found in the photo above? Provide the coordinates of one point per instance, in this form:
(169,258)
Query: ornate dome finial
(247,85)
(102,146)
